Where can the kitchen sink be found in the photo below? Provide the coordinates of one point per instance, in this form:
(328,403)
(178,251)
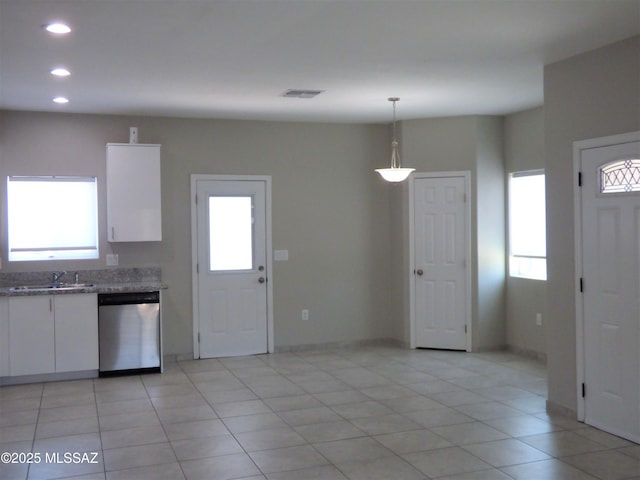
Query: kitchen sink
(57,286)
(71,286)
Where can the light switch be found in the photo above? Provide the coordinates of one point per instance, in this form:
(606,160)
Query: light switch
(112,259)
(280,255)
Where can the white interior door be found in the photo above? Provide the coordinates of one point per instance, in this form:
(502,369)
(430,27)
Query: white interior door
(610,263)
(231,269)
(441,262)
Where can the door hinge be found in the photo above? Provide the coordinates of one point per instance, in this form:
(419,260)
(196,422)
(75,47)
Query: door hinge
(581,285)
(584,391)
(579,179)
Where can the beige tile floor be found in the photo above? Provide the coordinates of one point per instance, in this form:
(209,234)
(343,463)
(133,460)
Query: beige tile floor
(365,413)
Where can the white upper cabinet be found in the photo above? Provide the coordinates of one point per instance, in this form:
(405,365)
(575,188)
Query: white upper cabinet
(134,210)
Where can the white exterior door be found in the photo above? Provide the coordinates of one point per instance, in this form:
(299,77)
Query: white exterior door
(610,199)
(441,262)
(231,275)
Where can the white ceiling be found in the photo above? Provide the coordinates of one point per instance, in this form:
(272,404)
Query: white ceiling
(234,58)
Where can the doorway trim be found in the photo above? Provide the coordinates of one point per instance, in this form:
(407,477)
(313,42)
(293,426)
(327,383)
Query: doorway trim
(466,174)
(195,178)
(578,147)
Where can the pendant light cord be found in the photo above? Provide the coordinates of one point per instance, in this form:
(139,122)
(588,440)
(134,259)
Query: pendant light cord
(395,154)
(394,100)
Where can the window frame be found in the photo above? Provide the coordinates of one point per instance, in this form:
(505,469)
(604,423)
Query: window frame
(56,246)
(523,265)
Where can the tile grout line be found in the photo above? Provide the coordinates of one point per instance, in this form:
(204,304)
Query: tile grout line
(221,419)
(95,398)
(376,366)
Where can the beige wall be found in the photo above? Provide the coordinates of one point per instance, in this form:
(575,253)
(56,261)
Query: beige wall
(524,150)
(490,212)
(345,229)
(471,143)
(587,96)
(437,144)
(330,210)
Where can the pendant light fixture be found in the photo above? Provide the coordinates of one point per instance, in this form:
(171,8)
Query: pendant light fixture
(395,173)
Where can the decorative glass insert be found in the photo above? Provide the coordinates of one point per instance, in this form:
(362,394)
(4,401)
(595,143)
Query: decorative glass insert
(620,176)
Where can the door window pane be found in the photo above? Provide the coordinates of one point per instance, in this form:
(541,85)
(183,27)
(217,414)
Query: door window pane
(620,176)
(230,233)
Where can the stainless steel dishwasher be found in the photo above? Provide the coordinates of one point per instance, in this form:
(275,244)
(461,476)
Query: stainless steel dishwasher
(129,333)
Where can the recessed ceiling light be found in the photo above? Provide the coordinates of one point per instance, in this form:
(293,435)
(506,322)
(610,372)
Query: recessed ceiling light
(60,28)
(61,100)
(60,72)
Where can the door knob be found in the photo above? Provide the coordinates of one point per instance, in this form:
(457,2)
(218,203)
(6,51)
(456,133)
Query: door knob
(261,280)
(419,271)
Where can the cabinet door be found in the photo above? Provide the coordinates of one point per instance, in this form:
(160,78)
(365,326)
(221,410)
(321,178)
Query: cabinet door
(76,332)
(4,336)
(134,211)
(31,330)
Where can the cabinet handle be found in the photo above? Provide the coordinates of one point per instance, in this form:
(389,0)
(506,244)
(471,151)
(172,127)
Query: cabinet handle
(113,233)
(51,304)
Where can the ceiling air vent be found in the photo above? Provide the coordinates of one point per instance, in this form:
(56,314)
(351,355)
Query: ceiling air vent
(294,93)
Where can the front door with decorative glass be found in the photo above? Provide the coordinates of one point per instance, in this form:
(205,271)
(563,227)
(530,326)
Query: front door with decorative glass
(610,206)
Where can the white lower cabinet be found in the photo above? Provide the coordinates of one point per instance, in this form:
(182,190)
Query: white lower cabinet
(53,333)
(4,337)
(76,332)
(31,335)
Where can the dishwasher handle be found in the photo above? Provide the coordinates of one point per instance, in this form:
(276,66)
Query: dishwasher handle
(128,298)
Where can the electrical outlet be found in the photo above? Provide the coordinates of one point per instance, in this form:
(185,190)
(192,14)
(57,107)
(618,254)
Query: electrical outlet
(538,319)
(305,314)
(112,259)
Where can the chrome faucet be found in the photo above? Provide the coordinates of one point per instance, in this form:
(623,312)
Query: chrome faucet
(55,278)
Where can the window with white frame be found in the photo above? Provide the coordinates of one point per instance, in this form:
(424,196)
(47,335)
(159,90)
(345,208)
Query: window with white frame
(527,225)
(52,218)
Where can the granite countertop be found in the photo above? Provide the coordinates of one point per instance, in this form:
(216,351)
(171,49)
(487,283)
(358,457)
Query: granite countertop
(90,281)
(85,288)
